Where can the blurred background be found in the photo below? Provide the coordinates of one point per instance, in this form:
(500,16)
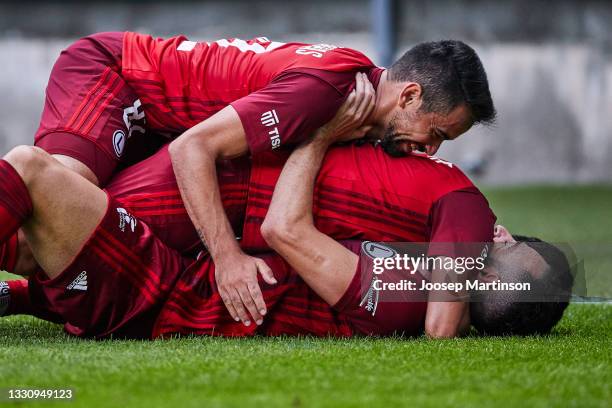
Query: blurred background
(549,65)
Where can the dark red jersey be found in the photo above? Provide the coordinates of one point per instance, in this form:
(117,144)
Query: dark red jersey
(281,91)
(111,95)
(149,191)
(195,306)
(362,193)
(361,181)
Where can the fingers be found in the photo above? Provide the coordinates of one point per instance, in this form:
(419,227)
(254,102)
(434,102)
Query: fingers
(362,131)
(240,290)
(236,301)
(348,105)
(266,272)
(359,89)
(365,98)
(372,98)
(247,295)
(229,305)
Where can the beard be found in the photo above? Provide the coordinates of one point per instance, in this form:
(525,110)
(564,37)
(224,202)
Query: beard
(389,142)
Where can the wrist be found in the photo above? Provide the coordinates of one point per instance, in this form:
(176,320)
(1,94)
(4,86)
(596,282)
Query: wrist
(320,143)
(221,253)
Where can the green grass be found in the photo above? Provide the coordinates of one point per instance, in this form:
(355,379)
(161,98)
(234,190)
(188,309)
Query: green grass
(571,367)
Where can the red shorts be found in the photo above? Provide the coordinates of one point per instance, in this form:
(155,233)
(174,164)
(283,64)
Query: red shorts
(90,111)
(117,283)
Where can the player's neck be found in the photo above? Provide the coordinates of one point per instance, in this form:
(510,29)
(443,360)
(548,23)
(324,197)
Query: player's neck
(381,105)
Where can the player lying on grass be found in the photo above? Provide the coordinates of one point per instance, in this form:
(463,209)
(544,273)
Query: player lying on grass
(328,267)
(108,272)
(108,93)
(363,194)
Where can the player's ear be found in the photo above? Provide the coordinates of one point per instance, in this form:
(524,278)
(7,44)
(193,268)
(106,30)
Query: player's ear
(410,95)
(488,274)
(502,235)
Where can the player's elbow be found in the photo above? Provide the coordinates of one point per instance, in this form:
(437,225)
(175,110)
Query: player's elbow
(186,145)
(279,233)
(435,330)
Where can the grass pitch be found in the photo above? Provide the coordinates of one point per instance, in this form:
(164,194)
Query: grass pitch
(571,367)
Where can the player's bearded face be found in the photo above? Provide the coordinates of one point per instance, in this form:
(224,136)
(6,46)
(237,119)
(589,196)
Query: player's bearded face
(396,143)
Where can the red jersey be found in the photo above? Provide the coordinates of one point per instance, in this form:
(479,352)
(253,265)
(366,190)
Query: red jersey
(281,91)
(195,307)
(363,193)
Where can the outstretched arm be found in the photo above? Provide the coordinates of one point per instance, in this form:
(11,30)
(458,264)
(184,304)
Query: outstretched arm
(324,264)
(194,155)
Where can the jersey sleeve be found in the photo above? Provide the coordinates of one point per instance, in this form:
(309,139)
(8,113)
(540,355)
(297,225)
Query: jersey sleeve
(287,111)
(371,311)
(460,222)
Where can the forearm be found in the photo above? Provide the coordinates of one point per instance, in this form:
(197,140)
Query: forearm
(196,176)
(291,204)
(447,311)
(324,264)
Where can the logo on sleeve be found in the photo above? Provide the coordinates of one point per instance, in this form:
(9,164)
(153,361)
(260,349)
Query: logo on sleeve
(270,120)
(377,250)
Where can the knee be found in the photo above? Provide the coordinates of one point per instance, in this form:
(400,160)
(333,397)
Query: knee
(26,264)
(28,161)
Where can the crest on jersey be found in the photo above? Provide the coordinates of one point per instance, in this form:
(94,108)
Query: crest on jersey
(119,141)
(377,250)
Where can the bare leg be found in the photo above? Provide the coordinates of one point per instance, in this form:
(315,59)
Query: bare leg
(77,167)
(66,208)
(26,264)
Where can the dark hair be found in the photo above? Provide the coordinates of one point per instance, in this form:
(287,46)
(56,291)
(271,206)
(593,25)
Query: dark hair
(507,313)
(449,73)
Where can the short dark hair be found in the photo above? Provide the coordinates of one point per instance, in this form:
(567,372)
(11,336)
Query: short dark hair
(449,73)
(504,313)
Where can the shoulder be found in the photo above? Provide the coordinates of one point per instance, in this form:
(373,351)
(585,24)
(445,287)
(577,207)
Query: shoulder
(430,176)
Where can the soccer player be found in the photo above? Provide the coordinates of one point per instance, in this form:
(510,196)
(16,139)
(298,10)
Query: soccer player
(108,273)
(109,92)
(332,269)
(132,259)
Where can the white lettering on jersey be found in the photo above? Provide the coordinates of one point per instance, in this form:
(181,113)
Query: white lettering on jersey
(186,46)
(5,297)
(134,118)
(255,47)
(270,119)
(274,138)
(316,50)
(440,161)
